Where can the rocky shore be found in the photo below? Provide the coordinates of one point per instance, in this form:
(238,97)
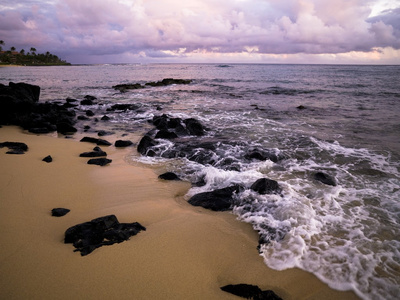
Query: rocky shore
(185,251)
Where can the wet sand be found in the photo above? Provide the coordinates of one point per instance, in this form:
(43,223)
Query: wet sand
(186,252)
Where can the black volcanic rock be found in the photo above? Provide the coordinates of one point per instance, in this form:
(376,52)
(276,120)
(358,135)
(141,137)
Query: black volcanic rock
(97,141)
(169,176)
(104,133)
(325,178)
(19,106)
(250,292)
(123,107)
(130,86)
(15,147)
(89,100)
(145,144)
(123,143)
(217,200)
(168,81)
(99,161)
(59,212)
(97,152)
(258,154)
(65,127)
(48,159)
(165,134)
(103,231)
(194,127)
(266,186)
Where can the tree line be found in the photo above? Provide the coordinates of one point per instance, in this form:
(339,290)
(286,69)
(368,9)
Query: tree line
(31,58)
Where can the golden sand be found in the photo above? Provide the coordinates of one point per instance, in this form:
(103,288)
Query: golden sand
(186,252)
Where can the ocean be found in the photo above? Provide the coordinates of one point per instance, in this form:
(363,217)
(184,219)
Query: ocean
(342,120)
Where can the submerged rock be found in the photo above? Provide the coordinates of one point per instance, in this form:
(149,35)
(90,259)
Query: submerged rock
(250,292)
(168,81)
(130,86)
(103,231)
(262,155)
(59,212)
(104,133)
(217,200)
(123,107)
(325,178)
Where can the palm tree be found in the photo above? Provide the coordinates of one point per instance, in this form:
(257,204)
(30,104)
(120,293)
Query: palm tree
(1,44)
(12,48)
(33,50)
(22,52)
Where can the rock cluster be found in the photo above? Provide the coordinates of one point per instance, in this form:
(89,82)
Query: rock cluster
(19,106)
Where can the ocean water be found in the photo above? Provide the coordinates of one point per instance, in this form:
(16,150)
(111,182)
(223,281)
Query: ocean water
(337,119)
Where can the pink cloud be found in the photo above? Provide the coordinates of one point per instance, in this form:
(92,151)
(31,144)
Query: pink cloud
(119,28)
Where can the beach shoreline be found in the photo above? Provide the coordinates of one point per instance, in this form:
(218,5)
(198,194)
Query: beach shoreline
(186,252)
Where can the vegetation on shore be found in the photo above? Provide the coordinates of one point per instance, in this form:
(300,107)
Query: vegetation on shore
(31,58)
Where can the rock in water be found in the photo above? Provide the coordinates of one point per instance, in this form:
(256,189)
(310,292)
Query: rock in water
(266,186)
(325,178)
(217,200)
(59,212)
(250,292)
(194,127)
(145,144)
(103,231)
(169,176)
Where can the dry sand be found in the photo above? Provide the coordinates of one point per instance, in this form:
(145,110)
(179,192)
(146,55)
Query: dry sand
(186,252)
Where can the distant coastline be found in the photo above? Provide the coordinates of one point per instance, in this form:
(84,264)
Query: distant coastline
(21,58)
(34,65)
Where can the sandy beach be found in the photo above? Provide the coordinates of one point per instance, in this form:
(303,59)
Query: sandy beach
(186,252)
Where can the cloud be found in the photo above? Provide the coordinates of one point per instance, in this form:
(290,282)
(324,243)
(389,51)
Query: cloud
(124,29)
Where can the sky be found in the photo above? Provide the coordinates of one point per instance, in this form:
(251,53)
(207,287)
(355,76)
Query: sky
(206,31)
